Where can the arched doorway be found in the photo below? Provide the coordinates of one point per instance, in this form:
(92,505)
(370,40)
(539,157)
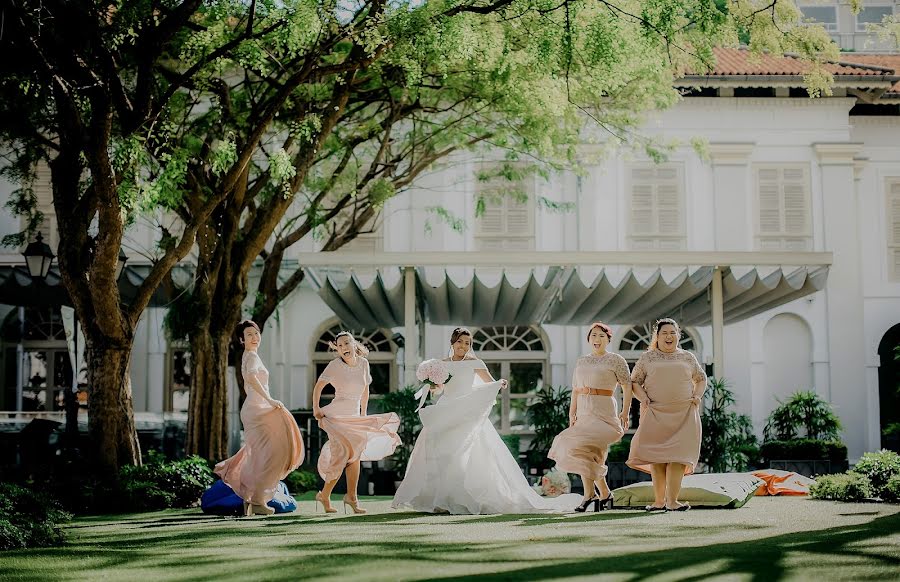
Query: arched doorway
(889,388)
(788,348)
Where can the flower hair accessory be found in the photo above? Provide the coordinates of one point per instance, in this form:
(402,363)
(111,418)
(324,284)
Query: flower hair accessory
(432,373)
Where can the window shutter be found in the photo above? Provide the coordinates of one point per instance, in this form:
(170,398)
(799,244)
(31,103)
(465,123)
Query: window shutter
(507,222)
(783,202)
(769,203)
(796,205)
(657,210)
(894,229)
(490,223)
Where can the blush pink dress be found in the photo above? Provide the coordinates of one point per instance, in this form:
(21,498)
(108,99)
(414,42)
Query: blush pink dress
(582,448)
(670,430)
(352,437)
(273,445)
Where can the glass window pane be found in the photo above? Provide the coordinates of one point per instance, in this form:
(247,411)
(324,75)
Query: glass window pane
(822,14)
(62,369)
(495,368)
(36,369)
(381,378)
(181,380)
(525,377)
(518,410)
(874,14)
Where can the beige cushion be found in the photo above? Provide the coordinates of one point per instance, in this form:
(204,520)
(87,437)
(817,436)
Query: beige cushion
(730,490)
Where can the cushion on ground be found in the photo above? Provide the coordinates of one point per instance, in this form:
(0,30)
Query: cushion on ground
(730,490)
(783,482)
(220,499)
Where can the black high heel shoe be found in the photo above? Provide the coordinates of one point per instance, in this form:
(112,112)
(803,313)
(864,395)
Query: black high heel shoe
(595,501)
(604,503)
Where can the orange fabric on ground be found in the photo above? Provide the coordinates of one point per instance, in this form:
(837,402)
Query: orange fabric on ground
(782,482)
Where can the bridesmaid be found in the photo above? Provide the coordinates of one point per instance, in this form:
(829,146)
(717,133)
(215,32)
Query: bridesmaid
(273,446)
(670,383)
(594,421)
(351,437)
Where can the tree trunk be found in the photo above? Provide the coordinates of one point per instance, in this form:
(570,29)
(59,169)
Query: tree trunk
(208,416)
(110,411)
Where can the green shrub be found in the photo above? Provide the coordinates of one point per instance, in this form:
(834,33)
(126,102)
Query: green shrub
(803,415)
(879,468)
(159,484)
(842,487)
(891,429)
(891,491)
(301,481)
(512,442)
(404,403)
(618,452)
(29,519)
(804,449)
(728,442)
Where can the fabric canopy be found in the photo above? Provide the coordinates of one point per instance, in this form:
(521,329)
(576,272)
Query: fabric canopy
(17,288)
(563,298)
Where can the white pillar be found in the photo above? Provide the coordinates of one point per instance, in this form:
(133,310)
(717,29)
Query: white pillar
(718,324)
(844,293)
(730,192)
(411,339)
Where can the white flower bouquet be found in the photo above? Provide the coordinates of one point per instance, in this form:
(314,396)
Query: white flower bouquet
(553,484)
(433,372)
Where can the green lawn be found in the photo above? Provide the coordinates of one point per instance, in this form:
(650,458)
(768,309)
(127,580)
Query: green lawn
(768,539)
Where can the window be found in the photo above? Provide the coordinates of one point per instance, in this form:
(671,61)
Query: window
(507,220)
(179,378)
(824,15)
(893,212)
(783,208)
(872,15)
(369,240)
(382,359)
(656,207)
(519,354)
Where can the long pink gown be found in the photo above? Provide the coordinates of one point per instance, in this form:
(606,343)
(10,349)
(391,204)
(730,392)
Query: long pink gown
(352,437)
(670,428)
(273,445)
(582,448)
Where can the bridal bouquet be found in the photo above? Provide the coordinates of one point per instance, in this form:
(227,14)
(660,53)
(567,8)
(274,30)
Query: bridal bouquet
(433,372)
(553,484)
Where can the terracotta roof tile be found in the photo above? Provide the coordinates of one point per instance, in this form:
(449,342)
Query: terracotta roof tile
(739,62)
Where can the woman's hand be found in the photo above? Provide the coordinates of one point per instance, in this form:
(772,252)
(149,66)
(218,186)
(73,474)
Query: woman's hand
(317,413)
(276,403)
(572,419)
(625,419)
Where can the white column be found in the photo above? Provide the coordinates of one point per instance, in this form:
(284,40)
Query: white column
(731,196)
(718,324)
(411,339)
(846,337)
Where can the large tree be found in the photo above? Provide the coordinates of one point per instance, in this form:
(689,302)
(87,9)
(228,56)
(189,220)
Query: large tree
(532,78)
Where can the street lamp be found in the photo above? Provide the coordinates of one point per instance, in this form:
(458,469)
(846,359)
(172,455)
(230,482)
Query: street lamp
(120,264)
(38,257)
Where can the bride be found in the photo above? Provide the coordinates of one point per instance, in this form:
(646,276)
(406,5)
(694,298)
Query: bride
(460,464)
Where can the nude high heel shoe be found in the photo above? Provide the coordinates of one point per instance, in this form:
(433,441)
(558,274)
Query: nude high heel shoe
(247,510)
(326,504)
(262,509)
(354,505)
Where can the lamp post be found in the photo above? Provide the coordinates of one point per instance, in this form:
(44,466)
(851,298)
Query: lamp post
(38,258)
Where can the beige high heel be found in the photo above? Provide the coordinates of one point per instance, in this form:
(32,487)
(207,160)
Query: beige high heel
(262,509)
(247,509)
(354,505)
(326,504)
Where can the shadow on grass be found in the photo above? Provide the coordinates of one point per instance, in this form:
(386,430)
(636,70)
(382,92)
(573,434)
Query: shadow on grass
(761,560)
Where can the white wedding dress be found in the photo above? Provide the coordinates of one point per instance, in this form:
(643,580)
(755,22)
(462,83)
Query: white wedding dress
(460,464)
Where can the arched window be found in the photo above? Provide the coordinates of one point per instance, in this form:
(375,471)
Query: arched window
(519,354)
(382,357)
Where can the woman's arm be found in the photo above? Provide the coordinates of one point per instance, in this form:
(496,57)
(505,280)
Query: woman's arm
(364,402)
(573,405)
(253,382)
(625,415)
(485,376)
(317,394)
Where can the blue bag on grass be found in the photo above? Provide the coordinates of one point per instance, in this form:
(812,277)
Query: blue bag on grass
(220,499)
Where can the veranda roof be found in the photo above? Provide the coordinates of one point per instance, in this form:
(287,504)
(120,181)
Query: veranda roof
(559,289)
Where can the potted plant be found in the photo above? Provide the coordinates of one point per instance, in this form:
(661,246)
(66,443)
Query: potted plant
(728,442)
(549,415)
(404,403)
(803,435)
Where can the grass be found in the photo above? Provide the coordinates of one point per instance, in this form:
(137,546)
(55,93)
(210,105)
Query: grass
(768,539)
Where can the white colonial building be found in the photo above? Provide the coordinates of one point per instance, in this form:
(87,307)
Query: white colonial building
(780,251)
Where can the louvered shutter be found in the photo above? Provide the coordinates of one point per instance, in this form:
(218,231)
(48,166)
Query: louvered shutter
(657,208)
(783,202)
(894,229)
